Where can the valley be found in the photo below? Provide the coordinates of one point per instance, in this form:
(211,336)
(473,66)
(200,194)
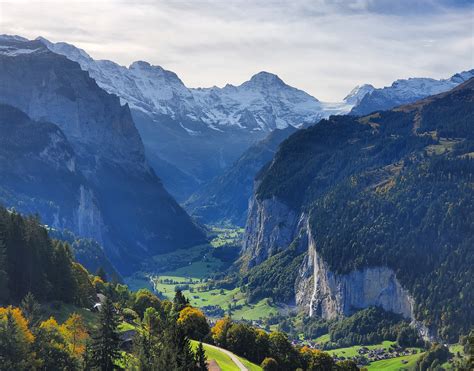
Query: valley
(148,224)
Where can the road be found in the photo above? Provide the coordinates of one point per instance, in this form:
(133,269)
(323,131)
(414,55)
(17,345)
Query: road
(232,357)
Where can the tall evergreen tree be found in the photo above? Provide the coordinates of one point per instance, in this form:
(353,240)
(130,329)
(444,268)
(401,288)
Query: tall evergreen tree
(179,301)
(201,359)
(106,341)
(4,292)
(31,309)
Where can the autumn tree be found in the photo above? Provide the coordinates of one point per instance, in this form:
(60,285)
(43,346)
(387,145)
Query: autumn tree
(219,331)
(194,323)
(16,341)
(75,333)
(52,348)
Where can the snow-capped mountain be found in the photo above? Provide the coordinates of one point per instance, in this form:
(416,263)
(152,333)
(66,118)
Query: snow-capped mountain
(192,135)
(407,91)
(358,93)
(264,102)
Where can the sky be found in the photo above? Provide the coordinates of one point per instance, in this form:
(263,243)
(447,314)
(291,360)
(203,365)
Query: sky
(320,46)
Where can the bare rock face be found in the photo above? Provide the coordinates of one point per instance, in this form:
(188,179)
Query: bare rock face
(270,228)
(329,295)
(38,175)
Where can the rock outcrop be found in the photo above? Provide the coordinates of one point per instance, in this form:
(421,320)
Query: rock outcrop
(271,227)
(333,295)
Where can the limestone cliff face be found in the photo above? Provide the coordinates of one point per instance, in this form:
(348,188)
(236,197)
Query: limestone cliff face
(271,227)
(88,218)
(331,295)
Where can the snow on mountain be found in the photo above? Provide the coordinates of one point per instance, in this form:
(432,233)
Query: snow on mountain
(405,91)
(359,92)
(263,103)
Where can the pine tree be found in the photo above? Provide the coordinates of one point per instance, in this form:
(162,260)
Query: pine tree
(4,292)
(185,359)
(201,359)
(179,301)
(31,309)
(105,347)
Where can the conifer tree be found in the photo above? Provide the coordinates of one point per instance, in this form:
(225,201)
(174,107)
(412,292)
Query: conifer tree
(106,341)
(102,274)
(201,359)
(4,293)
(31,309)
(179,301)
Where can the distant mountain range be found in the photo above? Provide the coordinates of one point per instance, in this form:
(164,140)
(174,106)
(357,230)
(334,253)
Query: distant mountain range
(191,135)
(87,170)
(403,92)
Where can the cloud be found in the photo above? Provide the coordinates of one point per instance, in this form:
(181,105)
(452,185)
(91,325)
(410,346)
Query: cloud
(323,47)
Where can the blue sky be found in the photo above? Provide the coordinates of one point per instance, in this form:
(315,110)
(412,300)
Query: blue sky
(322,47)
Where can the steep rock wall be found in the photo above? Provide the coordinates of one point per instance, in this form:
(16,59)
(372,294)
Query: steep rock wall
(329,295)
(271,227)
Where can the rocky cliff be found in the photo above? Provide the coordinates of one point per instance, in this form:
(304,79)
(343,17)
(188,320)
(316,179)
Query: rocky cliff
(272,227)
(32,154)
(139,217)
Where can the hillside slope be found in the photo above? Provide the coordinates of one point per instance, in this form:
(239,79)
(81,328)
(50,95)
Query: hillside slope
(382,206)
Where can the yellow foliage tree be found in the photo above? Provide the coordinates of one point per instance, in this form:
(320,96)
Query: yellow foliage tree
(17,341)
(75,334)
(20,320)
(219,331)
(194,323)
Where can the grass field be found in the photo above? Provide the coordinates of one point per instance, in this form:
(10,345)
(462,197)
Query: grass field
(323,339)
(395,364)
(353,351)
(216,297)
(190,268)
(226,236)
(223,360)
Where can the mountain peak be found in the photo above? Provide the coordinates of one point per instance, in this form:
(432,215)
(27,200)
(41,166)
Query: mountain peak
(70,51)
(264,78)
(359,92)
(141,65)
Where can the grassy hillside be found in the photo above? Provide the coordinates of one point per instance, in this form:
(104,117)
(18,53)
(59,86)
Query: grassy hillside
(223,360)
